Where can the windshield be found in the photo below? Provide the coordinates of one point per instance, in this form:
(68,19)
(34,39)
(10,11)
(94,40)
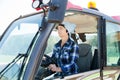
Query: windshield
(17,40)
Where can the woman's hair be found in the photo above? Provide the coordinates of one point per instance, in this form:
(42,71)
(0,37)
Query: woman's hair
(61,25)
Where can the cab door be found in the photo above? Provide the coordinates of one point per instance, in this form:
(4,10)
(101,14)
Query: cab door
(111,70)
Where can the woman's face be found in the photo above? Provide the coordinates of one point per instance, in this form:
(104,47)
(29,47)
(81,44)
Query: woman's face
(62,31)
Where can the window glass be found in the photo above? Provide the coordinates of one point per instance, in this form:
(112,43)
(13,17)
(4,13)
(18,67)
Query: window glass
(113,41)
(16,43)
(53,39)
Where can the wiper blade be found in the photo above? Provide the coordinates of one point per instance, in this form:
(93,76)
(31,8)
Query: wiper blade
(17,58)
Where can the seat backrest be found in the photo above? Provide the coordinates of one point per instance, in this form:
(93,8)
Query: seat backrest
(95,60)
(85,57)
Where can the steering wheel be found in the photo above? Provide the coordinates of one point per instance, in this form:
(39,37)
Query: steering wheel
(47,57)
(47,61)
(44,71)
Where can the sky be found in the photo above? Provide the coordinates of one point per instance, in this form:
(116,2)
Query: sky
(109,7)
(12,9)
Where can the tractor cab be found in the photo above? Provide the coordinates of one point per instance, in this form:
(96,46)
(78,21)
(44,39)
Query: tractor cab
(31,37)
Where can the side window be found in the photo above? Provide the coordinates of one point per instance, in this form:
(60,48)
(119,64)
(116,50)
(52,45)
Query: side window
(113,41)
(53,39)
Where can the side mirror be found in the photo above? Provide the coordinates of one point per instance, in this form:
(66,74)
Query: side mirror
(57,10)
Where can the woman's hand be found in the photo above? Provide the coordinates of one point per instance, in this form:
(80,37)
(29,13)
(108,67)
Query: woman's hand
(54,68)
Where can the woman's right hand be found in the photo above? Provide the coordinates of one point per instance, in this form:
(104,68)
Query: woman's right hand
(54,68)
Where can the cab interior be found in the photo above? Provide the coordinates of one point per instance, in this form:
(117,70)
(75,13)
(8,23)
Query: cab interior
(83,30)
(85,35)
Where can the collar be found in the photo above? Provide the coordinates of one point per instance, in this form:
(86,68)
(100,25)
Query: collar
(67,44)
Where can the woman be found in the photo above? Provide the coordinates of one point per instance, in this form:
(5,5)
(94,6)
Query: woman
(65,53)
